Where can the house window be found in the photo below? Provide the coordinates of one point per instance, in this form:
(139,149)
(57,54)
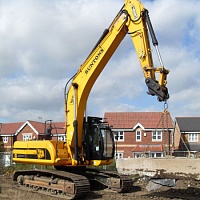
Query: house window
(5,139)
(193,137)
(119,136)
(62,138)
(27,136)
(118,155)
(138,135)
(148,155)
(157,136)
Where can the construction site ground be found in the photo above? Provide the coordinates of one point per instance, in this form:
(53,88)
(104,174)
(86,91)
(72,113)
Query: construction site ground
(183,189)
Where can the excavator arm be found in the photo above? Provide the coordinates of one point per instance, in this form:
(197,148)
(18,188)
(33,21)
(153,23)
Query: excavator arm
(132,19)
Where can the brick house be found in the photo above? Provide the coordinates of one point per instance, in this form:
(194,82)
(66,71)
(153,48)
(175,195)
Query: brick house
(7,134)
(11,132)
(187,132)
(141,134)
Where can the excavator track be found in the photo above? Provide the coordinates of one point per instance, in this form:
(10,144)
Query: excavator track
(102,179)
(110,180)
(51,182)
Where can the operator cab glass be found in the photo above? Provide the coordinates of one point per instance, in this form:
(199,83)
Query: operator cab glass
(99,142)
(102,143)
(108,142)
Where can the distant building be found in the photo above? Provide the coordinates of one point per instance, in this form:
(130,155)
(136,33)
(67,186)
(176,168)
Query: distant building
(141,134)
(30,130)
(7,134)
(187,132)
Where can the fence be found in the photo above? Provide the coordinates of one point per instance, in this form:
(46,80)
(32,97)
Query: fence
(194,154)
(7,166)
(5,162)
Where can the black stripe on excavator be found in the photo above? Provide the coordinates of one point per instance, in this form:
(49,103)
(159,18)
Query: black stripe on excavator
(47,155)
(31,156)
(106,31)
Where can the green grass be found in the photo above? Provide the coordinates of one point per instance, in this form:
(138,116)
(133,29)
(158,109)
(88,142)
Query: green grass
(20,166)
(111,167)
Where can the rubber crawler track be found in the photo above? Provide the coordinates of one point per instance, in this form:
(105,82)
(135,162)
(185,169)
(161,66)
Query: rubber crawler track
(82,185)
(126,183)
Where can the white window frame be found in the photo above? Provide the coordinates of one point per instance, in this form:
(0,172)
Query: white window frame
(157,134)
(149,155)
(120,136)
(27,136)
(193,137)
(119,155)
(62,138)
(5,139)
(138,135)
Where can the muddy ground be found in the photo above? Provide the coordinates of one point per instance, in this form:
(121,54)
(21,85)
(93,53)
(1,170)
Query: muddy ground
(184,189)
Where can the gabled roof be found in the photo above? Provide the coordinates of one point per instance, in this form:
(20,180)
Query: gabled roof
(9,128)
(188,124)
(148,120)
(138,125)
(58,127)
(37,127)
(147,148)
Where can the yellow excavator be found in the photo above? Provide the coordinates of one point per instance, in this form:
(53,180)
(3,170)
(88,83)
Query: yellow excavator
(90,140)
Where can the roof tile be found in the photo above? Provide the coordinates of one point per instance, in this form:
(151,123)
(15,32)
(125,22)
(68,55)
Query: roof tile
(146,119)
(188,124)
(12,128)
(146,148)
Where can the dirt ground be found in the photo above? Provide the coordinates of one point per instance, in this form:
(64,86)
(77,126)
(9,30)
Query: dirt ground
(184,189)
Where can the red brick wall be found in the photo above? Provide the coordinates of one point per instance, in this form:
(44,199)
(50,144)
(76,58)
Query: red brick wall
(126,150)
(129,143)
(8,145)
(130,138)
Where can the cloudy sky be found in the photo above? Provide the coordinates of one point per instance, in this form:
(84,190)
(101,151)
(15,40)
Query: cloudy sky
(43,43)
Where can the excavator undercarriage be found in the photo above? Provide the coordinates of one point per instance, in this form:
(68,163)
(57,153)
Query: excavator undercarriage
(69,185)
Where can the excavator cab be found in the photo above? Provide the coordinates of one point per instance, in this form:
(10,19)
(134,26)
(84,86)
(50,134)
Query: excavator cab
(98,140)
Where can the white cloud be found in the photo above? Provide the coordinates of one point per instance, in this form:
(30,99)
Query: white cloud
(50,38)
(28,97)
